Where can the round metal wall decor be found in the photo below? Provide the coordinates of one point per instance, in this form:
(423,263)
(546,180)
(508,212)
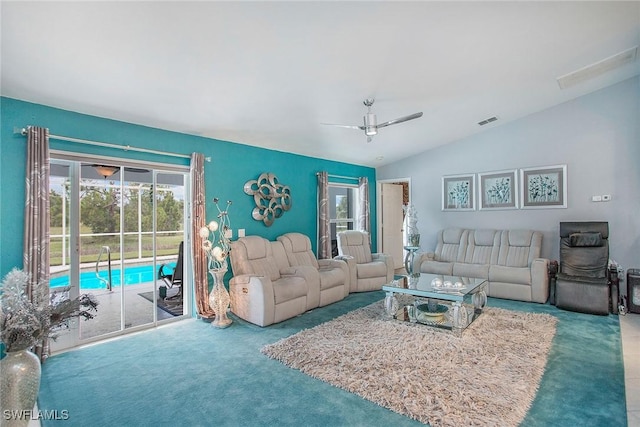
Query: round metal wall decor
(272,199)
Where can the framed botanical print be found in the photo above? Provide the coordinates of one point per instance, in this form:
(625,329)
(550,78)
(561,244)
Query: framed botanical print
(544,187)
(498,190)
(458,192)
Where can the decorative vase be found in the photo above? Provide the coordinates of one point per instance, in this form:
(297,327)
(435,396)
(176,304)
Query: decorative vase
(411,227)
(19,384)
(219,298)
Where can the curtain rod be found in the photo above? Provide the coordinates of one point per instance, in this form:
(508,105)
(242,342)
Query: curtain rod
(23,131)
(341,176)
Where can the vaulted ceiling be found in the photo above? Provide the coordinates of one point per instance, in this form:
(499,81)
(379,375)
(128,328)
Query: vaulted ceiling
(270,73)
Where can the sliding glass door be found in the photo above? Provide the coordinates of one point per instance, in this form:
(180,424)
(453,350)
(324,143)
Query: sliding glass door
(116,230)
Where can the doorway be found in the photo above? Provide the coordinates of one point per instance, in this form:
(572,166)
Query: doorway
(114,224)
(392,198)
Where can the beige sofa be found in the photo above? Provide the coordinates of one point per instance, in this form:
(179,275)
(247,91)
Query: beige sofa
(274,281)
(509,259)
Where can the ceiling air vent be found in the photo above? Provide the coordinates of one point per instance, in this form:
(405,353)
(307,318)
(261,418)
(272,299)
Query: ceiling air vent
(597,69)
(487,121)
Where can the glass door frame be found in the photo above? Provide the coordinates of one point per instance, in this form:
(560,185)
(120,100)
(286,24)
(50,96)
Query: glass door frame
(74,161)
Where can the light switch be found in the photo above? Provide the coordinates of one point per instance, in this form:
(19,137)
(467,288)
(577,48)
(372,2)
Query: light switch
(240,232)
(596,198)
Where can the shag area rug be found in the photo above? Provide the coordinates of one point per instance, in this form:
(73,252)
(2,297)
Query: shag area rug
(487,377)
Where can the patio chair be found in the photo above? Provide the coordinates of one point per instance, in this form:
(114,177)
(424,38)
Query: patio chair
(175,277)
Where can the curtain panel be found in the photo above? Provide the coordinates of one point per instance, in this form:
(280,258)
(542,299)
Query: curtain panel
(324,226)
(35,260)
(198,220)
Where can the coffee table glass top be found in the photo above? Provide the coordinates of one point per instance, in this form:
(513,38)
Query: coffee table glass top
(447,288)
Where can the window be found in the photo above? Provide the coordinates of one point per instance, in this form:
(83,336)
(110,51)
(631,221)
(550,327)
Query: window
(343,209)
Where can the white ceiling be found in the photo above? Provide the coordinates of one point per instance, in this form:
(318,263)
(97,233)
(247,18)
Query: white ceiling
(269,73)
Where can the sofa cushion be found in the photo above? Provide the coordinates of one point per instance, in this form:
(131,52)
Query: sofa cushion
(452,245)
(589,239)
(372,269)
(280,256)
(437,267)
(288,288)
(518,248)
(500,273)
(254,255)
(483,247)
(462,269)
(355,244)
(331,277)
(298,249)
(588,261)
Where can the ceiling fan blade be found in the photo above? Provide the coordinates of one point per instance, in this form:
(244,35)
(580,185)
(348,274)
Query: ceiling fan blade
(400,120)
(344,126)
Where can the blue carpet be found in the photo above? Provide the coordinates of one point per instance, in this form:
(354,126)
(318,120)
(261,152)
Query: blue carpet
(190,374)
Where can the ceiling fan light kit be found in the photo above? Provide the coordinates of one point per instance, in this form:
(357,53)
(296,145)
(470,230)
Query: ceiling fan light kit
(371,126)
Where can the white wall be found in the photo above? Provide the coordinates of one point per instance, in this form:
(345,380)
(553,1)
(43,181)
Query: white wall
(597,136)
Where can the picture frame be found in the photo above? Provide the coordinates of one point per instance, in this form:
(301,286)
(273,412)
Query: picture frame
(458,192)
(498,190)
(544,187)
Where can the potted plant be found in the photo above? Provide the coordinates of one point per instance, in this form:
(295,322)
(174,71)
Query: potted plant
(24,323)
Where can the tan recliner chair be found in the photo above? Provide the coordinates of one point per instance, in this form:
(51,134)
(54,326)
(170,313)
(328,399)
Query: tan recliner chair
(264,289)
(369,272)
(333,275)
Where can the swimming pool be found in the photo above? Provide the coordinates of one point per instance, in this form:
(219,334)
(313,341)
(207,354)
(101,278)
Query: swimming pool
(132,276)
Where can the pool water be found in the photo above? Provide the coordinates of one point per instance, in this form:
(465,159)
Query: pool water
(132,276)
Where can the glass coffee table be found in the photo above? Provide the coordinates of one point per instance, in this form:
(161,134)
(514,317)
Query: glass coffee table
(445,302)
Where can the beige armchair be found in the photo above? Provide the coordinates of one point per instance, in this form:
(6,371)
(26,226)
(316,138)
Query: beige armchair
(333,275)
(265,289)
(368,271)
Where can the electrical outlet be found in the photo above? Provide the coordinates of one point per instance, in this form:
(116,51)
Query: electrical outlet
(606,197)
(596,198)
(240,232)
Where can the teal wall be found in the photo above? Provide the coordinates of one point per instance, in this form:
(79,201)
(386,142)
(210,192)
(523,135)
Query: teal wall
(232,165)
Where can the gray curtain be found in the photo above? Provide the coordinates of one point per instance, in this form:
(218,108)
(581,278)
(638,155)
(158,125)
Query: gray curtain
(35,260)
(364,222)
(324,226)
(198,220)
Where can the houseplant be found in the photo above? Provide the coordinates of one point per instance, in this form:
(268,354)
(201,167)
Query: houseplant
(216,245)
(24,323)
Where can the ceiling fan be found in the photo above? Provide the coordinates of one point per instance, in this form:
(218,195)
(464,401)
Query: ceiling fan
(371,126)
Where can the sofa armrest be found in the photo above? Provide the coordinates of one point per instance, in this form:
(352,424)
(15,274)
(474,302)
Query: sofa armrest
(336,263)
(330,263)
(421,257)
(353,270)
(252,299)
(388,259)
(540,280)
